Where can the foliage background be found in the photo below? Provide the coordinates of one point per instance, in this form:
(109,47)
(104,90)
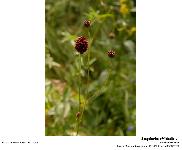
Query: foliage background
(112,88)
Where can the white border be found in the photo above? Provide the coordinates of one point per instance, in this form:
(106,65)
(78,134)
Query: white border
(159,75)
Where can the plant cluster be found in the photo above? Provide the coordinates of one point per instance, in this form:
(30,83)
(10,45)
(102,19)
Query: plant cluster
(90,90)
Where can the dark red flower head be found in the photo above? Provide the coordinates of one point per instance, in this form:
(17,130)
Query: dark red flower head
(111,53)
(81,44)
(87,23)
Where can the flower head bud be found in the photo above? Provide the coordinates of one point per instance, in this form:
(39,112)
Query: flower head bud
(78,115)
(87,23)
(111,53)
(111,35)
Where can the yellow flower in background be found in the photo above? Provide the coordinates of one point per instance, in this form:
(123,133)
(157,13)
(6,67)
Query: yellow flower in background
(124,9)
(122,1)
(132,31)
(46,110)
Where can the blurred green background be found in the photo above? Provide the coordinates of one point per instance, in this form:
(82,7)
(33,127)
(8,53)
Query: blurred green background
(111,108)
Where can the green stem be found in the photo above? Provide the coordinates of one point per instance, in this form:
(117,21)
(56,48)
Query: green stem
(78,125)
(88,65)
(94,37)
(79,82)
(88,70)
(79,93)
(88,75)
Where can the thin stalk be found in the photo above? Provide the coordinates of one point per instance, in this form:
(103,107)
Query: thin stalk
(79,90)
(79,93)
(78,125)
(88,65)
(88,75)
